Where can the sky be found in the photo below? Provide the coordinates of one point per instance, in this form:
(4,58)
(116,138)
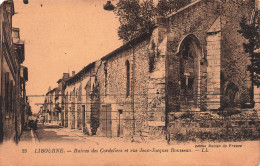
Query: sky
(62,36)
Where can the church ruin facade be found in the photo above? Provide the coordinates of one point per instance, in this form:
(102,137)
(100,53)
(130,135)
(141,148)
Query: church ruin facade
(193,61)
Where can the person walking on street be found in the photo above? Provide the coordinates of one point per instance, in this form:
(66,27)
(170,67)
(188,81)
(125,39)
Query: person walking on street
(43,120)
(35,124)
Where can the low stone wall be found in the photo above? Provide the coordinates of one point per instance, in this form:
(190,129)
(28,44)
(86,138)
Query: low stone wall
(214,126)
(156,132)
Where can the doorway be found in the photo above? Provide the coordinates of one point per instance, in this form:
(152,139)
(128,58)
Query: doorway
(83,118)
(106,121)
(120,123)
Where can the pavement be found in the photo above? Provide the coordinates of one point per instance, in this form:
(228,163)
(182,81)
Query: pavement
(80,149)
(55,134)
(28,135)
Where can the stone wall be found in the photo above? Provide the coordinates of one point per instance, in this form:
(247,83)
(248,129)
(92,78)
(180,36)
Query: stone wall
(214,126)
(223,62)
(156,87)
(257,97)
(135,112)
(137,103)
(233,59)
(79,106)
(78,97)
(213,49)
(142,110)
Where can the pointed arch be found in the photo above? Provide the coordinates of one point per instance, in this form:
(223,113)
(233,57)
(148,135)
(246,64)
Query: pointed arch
(190,55)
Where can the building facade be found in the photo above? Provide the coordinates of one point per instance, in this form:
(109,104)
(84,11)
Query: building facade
(80,108)
(24,103)
(50,105)
(12,80)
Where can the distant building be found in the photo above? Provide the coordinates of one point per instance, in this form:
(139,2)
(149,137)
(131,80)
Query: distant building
(24,105)
(78,109)
(50,106)
(54,103)
(60,98)
(45,110)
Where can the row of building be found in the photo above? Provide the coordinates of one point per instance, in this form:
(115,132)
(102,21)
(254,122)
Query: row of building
(193,60)
(14,105)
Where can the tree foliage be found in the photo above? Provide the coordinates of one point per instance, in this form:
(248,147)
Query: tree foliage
(166,7)
(137,17)
(251,32)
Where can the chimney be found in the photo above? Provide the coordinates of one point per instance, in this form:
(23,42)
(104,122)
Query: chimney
(73,73)
(66,75)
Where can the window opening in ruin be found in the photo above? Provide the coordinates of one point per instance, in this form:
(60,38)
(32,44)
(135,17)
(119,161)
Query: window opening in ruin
(187,70)
(190,83)
(105,72)
(190,53)
(66,98)
(127,78)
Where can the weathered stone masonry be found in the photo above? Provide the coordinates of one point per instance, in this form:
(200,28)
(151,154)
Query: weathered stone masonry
(222,61)
(224,81)
(192,62)
(131,106)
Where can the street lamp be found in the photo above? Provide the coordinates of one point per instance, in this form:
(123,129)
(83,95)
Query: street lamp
(109,6)
(25,1)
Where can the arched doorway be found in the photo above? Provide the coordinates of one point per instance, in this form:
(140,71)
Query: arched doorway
(190,55)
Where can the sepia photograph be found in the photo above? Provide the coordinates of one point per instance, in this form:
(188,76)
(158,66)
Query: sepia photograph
(130,82)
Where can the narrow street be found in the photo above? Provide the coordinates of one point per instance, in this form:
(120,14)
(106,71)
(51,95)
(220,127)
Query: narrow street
(51,133)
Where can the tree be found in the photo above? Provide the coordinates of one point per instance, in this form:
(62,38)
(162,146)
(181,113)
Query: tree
(137,17)
(251,32)
(166,7)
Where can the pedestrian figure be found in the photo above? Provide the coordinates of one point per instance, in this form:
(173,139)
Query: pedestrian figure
(31,124)
(35,124)
(43,120)
(26,125)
